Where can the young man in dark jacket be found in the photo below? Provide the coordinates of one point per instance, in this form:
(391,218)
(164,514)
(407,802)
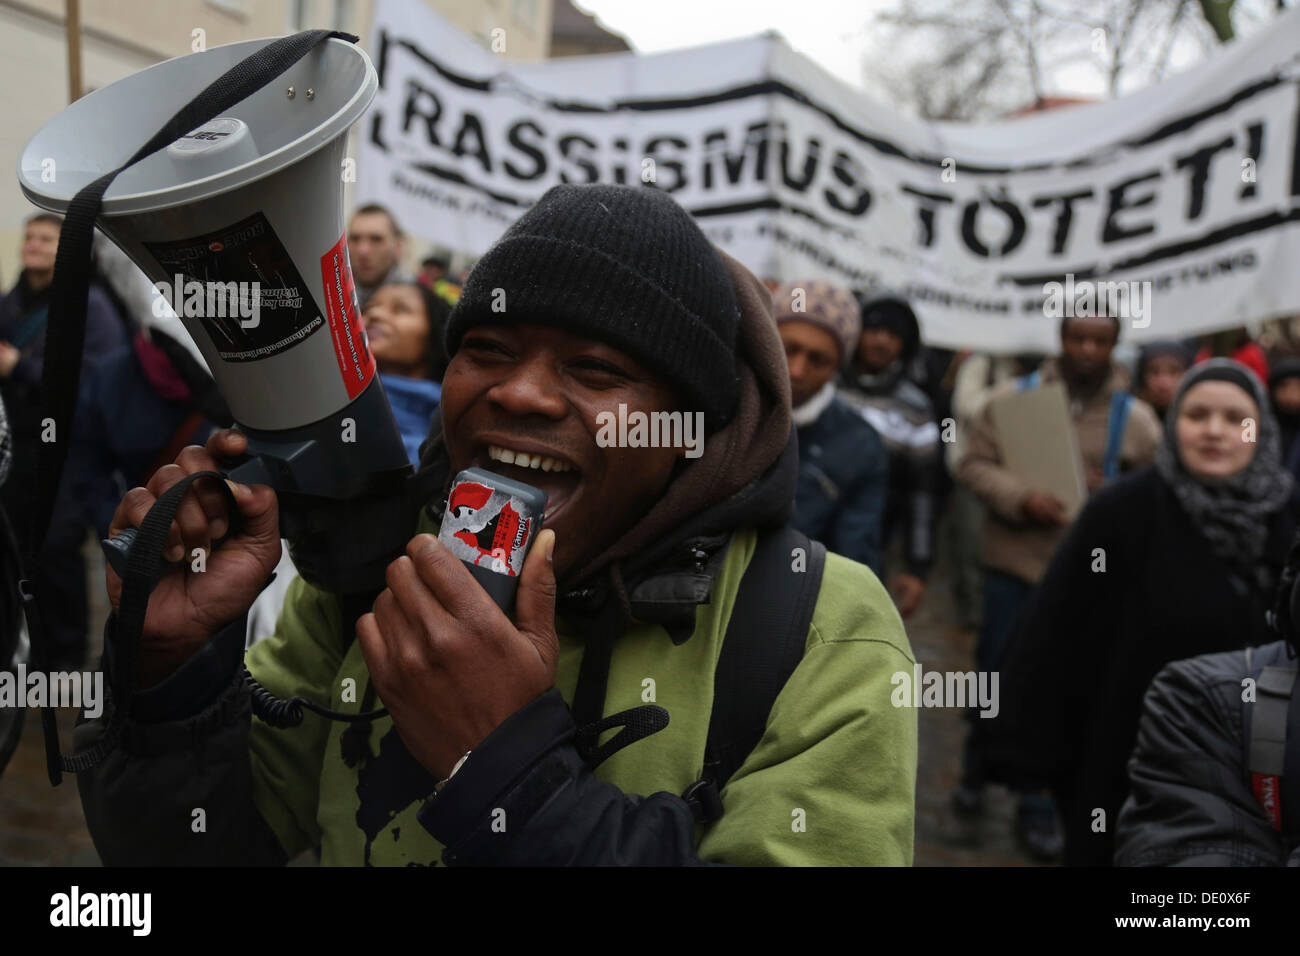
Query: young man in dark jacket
(878,386)
(843,465)
(615,300)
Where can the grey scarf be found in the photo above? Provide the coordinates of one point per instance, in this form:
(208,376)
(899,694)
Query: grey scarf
(1233,514)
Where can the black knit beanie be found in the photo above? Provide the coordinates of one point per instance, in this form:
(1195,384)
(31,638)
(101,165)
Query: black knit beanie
(891,311)
(623,264)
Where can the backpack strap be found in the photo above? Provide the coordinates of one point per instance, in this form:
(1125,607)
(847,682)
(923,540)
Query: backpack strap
(1025,382)
(1266,746)
(763,645)
(31,328)
(1291,770)
(181,437)
(1121,403)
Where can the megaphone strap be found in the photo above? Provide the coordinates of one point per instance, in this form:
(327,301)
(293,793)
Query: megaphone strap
(65,335)
(136,555)
(139,573)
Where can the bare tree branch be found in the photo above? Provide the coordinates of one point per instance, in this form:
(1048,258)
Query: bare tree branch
(979,59)
(1218,14)
(1162,61)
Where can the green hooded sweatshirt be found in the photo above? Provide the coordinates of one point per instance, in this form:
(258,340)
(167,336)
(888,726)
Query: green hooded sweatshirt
(831,782)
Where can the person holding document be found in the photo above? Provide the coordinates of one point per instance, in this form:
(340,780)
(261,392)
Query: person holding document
(1024,524)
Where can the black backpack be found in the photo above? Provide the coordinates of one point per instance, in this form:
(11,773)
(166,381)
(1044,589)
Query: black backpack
(763,645)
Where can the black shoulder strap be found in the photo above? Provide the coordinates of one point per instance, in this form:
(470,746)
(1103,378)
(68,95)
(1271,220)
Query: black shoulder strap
(1272,731)
(1291,772)
(763,645)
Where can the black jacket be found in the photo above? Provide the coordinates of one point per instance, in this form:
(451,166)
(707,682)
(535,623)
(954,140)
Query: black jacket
(1191,802)
(20,316)
(843,481)
(1089,642)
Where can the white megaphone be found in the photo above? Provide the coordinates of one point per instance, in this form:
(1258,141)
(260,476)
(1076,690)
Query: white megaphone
(240,225)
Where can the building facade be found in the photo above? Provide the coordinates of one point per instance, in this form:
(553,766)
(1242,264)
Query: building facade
(120,37)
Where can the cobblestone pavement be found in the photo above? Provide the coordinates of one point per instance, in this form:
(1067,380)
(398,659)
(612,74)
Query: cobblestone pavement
(941,838)
(40,825)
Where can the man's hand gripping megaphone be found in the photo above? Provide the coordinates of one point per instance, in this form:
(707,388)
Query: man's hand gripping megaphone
(186,609)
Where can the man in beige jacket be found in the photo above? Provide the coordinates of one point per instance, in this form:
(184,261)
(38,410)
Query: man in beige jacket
(1023,525)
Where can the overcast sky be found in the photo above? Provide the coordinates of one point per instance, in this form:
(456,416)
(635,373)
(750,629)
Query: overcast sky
(833,32)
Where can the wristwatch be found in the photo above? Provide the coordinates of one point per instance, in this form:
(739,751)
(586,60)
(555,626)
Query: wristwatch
(437,787)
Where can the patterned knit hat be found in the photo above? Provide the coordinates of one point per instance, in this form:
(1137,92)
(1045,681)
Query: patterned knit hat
(623,264)
(825,305)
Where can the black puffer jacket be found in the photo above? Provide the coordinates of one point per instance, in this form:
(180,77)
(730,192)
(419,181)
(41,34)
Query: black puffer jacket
(1191,802)
(1132,587)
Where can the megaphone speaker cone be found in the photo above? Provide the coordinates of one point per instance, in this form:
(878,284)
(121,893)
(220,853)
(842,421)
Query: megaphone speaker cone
(103,129)
(240,225)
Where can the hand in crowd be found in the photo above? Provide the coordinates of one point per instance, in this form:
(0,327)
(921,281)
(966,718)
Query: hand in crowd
(908,591)
(9,357)
(189,606)
(446,661)
(1043,507)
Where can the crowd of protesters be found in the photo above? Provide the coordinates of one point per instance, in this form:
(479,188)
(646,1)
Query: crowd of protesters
(1189,460)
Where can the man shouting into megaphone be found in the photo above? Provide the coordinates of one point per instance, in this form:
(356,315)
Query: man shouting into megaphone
(666,568)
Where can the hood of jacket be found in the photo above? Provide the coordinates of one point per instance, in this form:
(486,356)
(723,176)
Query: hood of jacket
(912,331)
(662,567)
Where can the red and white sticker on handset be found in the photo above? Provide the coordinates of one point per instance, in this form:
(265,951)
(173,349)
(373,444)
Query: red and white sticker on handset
(487,527)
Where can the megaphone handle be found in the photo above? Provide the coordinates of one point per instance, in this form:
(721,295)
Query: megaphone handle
(245,469)
(249,470)
(117,548)
(139,572)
